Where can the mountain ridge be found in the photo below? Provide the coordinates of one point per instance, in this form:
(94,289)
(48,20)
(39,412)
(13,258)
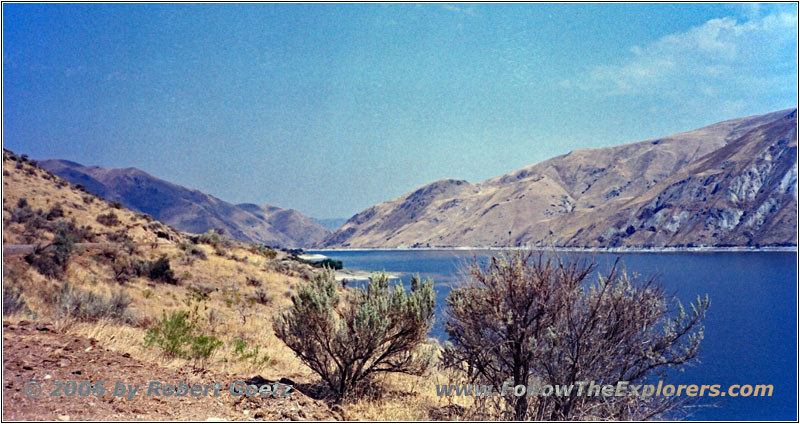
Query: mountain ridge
(547,203)
(190,209)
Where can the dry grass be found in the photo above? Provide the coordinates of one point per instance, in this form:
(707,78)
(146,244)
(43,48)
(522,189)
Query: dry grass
(225,313)
(43,190)
(402,397)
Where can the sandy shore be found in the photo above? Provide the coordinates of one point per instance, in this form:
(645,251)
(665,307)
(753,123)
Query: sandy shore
(346,274)
(311,257)
(356,275)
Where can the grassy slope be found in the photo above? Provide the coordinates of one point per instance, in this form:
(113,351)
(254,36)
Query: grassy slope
(224,274)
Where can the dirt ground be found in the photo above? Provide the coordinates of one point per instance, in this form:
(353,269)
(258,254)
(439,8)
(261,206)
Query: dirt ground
(35,351)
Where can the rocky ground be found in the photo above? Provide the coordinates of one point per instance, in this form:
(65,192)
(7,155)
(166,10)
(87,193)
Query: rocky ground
(36,351)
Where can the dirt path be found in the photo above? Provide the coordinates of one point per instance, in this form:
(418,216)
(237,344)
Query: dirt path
(34,351)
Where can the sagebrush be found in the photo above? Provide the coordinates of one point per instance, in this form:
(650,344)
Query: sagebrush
(348,336)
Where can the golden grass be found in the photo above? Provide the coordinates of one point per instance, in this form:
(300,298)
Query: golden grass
(403,397)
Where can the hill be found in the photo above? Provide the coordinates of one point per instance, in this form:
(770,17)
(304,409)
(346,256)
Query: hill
(105,279)
(103,293)
(191,210)
(731,183)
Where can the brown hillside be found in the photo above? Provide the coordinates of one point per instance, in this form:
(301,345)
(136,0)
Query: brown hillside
(575,200)
(87,317)
(191,210)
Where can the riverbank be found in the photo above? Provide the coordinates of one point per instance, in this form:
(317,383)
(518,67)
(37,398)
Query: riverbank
(710,249)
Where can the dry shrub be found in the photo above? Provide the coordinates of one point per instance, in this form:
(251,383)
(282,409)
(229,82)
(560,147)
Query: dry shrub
(525,315)
(90,307)
(109,220)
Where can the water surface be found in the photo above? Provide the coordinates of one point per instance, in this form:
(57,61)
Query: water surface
(751,327)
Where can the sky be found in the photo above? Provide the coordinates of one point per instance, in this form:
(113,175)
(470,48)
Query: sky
(331,108)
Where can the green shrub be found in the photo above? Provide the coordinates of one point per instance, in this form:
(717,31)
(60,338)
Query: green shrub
(234,300)
(253,281)
(172,334)
(178,336)
(347,337)
(34,226)
(22,212)
(253,356)
(203,346)
(264,251)
(45,264)
(201,292)
(239,345)
(125,241)
(325,263)
(237,258)
(329,263)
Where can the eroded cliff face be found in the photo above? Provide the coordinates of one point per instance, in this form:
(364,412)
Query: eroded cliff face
(744,194)
(729,184)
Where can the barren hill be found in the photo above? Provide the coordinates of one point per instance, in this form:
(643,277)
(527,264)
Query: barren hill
(191,210)
(597,197)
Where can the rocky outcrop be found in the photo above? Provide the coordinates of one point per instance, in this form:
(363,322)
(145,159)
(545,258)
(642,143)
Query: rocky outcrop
(744,194)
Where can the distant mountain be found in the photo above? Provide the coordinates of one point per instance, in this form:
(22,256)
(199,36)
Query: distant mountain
(729,184)
(191,210)
(305,231)
(332,224)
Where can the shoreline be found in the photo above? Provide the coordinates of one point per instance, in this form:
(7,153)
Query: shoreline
(709,249)
(361,275)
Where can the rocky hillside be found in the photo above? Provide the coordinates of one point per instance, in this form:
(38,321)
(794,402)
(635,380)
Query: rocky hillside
(731,183)
(191,210)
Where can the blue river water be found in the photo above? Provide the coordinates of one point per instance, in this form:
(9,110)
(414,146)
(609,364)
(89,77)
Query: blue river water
(750,329)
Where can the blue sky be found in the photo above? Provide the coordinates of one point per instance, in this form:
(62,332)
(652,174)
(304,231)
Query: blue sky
(329,109)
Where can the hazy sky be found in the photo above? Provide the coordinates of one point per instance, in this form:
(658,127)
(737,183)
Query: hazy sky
(329,109)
